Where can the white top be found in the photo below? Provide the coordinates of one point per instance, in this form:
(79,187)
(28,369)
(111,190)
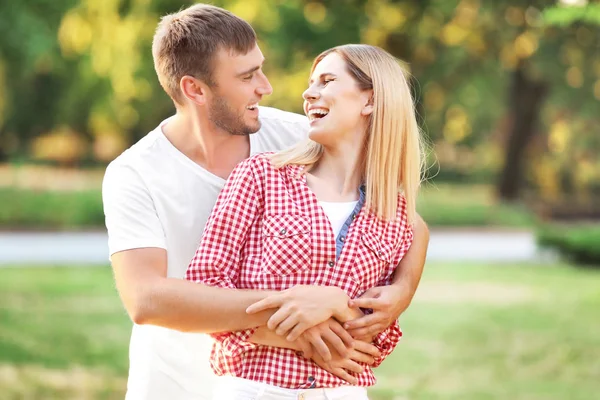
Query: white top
(337,213)
(154,196)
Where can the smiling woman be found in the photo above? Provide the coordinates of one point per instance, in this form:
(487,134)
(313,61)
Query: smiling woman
(333,218)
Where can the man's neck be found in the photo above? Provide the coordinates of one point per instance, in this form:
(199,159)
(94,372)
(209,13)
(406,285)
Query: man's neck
(208,146)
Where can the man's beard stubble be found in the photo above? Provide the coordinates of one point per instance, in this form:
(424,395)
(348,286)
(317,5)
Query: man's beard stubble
(227,119)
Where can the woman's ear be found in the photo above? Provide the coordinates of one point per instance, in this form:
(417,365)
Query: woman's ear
(193,90)
(368,108)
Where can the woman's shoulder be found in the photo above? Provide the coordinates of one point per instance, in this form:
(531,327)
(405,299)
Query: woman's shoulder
(261,164)
(401,210)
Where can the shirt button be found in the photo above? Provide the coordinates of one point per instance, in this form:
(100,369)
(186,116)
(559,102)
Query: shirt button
(331,263)
(283,231)
(342,239)
(379,253)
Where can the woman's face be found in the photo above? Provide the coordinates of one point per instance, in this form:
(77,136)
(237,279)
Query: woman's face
(336,108)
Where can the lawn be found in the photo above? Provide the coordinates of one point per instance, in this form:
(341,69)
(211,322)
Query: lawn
(473,332)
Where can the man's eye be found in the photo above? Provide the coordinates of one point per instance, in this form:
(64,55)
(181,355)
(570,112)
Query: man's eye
(248,78)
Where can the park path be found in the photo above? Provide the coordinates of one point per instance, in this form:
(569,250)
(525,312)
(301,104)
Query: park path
(90,248)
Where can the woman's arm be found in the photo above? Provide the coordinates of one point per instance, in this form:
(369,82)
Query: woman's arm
(345,357)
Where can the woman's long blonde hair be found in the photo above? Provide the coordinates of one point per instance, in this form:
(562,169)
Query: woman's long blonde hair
(393,158)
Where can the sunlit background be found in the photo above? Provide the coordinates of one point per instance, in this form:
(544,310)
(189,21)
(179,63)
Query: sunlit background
(508,96)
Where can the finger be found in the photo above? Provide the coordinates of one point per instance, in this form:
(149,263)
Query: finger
(297,331)
(352,366)
(320,347)
(368,331)
(305,347)
(364,321)
(342,333)
(365,302)
(343,374)
(359,356)
(286,326)
(366,348)
(277,318)
(337,343)
(264,304)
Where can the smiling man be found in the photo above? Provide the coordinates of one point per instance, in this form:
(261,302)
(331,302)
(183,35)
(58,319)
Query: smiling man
(159,193)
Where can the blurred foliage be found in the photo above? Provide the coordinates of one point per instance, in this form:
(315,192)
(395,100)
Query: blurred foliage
(469,205)
(68,208)
(80,86)
(580,244)
(50,209)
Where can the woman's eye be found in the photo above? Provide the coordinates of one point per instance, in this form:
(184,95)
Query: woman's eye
(326,81)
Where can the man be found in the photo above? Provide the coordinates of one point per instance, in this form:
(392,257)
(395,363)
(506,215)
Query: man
(159,193)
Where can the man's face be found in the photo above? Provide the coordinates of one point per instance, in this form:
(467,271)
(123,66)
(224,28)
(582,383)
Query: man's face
(239,84)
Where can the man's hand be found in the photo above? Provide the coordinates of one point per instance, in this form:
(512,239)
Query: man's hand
(342,367)
(387,302)
(302,307)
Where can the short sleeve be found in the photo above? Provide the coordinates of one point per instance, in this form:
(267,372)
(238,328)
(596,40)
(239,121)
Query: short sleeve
(129,211)
(404,245)
(386,342)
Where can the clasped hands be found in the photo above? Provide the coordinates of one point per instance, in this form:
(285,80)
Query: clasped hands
(329,327)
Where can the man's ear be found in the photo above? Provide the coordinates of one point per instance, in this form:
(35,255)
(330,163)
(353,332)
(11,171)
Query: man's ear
(193,89)
(368,108)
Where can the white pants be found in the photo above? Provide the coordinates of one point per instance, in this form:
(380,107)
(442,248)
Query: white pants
(231,388)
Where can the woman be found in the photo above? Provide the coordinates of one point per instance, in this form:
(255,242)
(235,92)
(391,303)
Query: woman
(333,211)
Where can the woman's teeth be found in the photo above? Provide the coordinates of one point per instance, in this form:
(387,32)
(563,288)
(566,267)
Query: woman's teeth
(317,113)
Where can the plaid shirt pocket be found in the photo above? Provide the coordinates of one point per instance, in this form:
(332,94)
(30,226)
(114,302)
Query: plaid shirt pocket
(286,244)
(374,263)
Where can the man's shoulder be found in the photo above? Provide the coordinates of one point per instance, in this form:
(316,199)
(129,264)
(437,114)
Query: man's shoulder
(137,152)
(274,118)
(136,160)
(270,115)
(279,130)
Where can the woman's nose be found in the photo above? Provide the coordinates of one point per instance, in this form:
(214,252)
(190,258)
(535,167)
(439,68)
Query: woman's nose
(310,93)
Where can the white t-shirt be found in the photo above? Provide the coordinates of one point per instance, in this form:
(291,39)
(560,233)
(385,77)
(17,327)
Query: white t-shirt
(337,213)
(154,196)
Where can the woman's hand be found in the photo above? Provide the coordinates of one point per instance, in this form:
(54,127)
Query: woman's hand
(344,366)
(302,307)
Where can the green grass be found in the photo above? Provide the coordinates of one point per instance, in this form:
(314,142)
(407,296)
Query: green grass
(63,334)
(440,205)
(506,332)
(473,332)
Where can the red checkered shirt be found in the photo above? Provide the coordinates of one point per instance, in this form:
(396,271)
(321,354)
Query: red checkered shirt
(268,232)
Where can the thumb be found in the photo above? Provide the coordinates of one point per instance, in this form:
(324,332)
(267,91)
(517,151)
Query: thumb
(372,293)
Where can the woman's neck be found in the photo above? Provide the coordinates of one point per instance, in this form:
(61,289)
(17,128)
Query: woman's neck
(337,175)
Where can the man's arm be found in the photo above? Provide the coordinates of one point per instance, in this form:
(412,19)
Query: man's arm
(410,269)
(150,297)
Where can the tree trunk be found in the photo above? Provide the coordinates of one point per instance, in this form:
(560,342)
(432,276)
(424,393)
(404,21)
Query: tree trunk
(526,99)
